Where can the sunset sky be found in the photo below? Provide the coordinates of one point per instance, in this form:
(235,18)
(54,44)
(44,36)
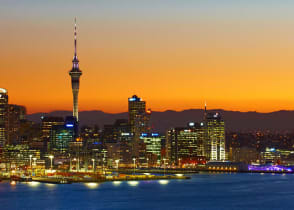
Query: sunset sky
(175,54)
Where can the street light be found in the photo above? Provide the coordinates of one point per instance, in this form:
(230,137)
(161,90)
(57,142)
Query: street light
(117,161)
(164,166)
(180,162)
(134,159)
(93,164)
(31,161)
(147,163)
(35,161)
(51,158)
(35,164)
(76,163)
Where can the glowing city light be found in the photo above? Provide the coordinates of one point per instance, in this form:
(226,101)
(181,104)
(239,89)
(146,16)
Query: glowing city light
(163,182)
(116,183)
(34,184)
(133,183)
(92,185)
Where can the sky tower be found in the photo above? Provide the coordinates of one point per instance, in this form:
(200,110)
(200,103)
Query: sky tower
(75,74)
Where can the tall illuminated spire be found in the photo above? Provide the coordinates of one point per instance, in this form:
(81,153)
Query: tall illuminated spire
(75,37)
(205,111)
(75,74)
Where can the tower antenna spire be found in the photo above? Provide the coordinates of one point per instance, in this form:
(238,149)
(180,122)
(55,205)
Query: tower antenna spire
(205,111)
(75,37)
(75,74)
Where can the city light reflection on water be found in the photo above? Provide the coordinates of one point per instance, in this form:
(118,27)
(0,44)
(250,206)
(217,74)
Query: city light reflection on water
(116,183)
(50,185)
(229,191)
(34,184)
(133,183)
(163,182)
(92,185)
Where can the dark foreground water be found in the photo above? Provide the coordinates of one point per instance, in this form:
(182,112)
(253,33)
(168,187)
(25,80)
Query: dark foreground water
(203,191)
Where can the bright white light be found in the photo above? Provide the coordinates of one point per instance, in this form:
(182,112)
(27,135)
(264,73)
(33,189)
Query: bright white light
(2,90)
(116,183)
(34,184)
(163,182)
(133,183)
(146,173)
(179,175)
(13,183)
(92,185)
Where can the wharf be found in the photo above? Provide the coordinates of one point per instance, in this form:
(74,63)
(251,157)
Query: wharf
(69,180)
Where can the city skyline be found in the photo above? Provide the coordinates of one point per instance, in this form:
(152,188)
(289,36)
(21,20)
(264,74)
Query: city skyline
(175,62)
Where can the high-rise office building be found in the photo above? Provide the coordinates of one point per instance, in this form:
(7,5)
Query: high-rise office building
(185,144)
(139,119)
(61,137)
(153,142)
(3,116)
(16,115)
(138,115)
(215,143)
(46,127)
(75,74)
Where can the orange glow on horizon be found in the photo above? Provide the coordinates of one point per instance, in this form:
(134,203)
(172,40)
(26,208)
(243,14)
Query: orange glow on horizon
(174,63)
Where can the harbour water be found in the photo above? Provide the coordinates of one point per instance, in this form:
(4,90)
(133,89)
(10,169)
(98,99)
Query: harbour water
(202,191)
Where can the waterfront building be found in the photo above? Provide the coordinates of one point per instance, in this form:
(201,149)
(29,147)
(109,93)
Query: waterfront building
(3,116)
(243,154)
(153,142)
(215,144)
(19,155)
(270,155)
(75,74)
(226,166)
(185,144)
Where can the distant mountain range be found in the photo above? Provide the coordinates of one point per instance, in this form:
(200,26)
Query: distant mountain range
(161,121)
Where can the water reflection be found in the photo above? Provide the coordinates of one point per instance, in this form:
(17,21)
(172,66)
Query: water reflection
(133,183)
(50,185)
(163,182)
(34,184)
(116,183)
(92,185)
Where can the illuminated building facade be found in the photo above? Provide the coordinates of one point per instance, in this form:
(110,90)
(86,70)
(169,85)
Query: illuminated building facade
(215,143)
(118,139)
(153,142)
(139,119)
(75,74)
(19,154)
(16,115)
(62,135)
(46,127)
(186,143)
(270,155)
(138,115)
(3,116)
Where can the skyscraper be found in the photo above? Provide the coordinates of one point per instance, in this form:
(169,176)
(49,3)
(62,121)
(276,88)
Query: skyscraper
(215,144)
(75,74)
(16,115)
(139,122)
(138,116)
(3,116)
(185,144)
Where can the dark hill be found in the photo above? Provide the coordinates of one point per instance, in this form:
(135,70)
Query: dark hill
(161,121)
